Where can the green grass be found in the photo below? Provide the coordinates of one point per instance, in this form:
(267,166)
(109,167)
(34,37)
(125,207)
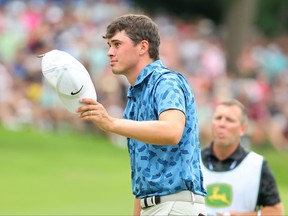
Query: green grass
(62,174)
(73,174)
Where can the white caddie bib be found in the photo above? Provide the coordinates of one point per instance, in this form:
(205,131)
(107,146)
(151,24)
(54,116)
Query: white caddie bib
(236,189)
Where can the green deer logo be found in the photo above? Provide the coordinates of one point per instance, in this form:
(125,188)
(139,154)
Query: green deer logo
(219,195)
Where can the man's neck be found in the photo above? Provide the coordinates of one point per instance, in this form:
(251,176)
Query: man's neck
(133,75)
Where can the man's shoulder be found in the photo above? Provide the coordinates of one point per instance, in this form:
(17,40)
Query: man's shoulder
(206,149)
(255,154)
(205,152)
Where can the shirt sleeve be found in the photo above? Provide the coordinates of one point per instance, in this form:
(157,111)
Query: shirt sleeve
(169,94)
(268,193)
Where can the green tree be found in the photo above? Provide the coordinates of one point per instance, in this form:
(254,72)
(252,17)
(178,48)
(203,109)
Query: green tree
(272,17)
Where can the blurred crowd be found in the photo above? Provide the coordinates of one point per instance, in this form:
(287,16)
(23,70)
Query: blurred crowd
(194,48)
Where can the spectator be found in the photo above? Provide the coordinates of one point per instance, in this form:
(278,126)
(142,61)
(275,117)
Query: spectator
(28,28)
(238,181)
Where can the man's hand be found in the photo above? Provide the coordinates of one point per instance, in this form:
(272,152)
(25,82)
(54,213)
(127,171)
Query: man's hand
(96,113)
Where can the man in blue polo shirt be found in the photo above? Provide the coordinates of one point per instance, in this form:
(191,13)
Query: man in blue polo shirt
(160,122)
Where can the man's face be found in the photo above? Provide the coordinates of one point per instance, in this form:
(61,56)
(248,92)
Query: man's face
(227,127)
(123,54)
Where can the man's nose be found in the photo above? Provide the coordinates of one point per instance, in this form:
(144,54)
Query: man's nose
(110,52)
(222,122)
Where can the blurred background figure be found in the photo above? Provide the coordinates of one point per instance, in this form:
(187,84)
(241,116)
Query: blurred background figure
(253,68)
(238,181)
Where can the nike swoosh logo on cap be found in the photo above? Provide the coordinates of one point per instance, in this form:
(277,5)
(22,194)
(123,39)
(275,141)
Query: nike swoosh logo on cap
(74,93)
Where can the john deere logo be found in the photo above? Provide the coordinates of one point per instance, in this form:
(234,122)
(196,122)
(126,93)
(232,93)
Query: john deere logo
(219,195)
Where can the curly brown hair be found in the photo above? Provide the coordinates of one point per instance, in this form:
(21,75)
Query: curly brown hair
(138,28)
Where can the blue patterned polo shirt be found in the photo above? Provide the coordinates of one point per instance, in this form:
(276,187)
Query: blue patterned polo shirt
(163,169)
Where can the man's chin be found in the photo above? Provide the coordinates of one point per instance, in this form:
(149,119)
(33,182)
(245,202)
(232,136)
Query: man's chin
(221,142)
(115,71)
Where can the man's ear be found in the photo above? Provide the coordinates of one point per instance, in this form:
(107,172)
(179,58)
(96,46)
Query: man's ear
(144,47)
(244,129)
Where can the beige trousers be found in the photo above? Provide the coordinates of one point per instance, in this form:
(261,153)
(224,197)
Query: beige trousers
(172,208)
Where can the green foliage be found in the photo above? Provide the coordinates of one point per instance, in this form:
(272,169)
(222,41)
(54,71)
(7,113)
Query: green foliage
(272,17)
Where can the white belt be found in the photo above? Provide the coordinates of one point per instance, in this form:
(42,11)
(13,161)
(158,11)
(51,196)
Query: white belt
(185,196)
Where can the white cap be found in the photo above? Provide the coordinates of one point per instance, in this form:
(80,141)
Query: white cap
(69,78)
